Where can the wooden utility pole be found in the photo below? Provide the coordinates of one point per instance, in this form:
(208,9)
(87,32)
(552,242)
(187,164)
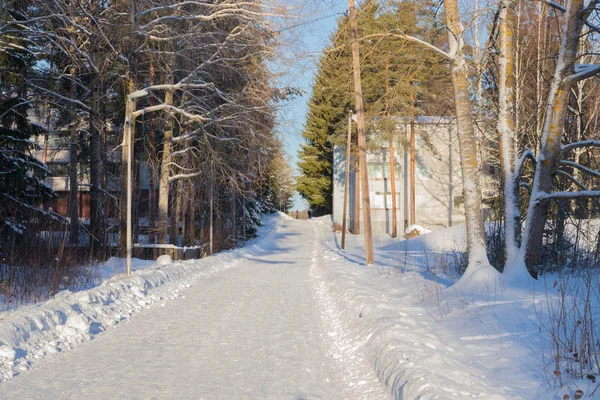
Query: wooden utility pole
(347,179)
(128,152)
(356,227)
(211,200)
(413,203)
(362,148)
(391,147)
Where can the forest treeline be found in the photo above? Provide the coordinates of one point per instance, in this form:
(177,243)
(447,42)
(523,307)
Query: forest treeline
(202,110)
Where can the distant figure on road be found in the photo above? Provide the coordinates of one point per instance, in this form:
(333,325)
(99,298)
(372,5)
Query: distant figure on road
(296,214)
(308,213)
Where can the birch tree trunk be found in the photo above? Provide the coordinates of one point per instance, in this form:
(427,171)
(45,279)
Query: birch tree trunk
(506,127)
(467,142)
(550,146)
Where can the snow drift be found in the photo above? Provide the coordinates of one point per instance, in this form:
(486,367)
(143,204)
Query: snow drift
(34,332)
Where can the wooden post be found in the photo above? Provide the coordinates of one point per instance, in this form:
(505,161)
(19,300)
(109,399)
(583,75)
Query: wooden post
(347,179)
(356,227)
(234,222)
(211,200)
(362,148)
(391,148)
(244,219)
(130,107)
(450,177)
(413,218)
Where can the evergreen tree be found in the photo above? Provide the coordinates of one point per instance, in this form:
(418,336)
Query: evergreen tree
(22,187)
(326,113)
(419,84)
(21,175)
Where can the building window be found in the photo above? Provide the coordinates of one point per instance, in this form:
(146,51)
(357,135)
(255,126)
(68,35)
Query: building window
(383,200)
(382,170)
(58,169)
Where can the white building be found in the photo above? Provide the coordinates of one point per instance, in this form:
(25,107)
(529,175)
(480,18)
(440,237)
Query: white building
(438,184)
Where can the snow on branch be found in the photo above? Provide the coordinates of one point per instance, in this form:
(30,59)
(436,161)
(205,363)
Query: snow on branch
(160,107)
(581,167)
(567,195)
(576,181)
(583,143)
(583,71)
(400,36)
(185,176)
(416,40)
(519,163)
(572,179)
(561,8)
(525,185)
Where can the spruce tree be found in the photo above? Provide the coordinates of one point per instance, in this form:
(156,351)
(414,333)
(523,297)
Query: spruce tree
(326,113)
(419,84)
(22,188)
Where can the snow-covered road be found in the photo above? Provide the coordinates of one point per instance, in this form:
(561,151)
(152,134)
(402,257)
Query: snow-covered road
(250,332)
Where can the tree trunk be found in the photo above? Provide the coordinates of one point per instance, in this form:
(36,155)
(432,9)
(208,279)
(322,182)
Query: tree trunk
(550,147)
(190,226)
(152,165)
(176,215)
(73,168)
(165,171)
(505,129)
(467,142)
(97,227)
(362,149)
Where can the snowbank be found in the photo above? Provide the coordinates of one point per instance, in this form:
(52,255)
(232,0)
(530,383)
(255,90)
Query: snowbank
(34,332)
(449,239)
(283,215)
(415,230)
(424,337)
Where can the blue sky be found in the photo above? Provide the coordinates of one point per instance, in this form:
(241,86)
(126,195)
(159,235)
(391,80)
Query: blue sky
(300,55)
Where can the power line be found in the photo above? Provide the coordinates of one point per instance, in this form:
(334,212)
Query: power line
(311,22)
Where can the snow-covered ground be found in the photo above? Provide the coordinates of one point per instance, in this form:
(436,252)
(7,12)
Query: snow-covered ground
(246,325)
(34,332)
(292,316)
(427,338)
